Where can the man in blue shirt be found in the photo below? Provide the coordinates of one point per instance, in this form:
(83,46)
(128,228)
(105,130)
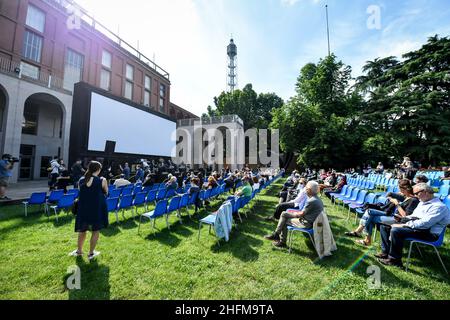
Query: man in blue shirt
(6,167)
(126,171)
(426,223)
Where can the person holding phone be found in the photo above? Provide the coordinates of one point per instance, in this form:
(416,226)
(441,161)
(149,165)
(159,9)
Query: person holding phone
(400,209)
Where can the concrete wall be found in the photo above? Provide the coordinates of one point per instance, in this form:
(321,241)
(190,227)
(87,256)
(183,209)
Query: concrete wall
(18,91)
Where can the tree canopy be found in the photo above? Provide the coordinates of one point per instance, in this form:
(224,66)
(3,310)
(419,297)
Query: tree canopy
(396,108)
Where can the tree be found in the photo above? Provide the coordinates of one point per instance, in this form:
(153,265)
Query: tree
(255,110)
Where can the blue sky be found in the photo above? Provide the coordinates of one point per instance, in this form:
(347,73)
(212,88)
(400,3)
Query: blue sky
(275,38)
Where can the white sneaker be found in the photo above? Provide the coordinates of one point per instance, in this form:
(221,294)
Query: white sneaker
(94,255)
(75,254)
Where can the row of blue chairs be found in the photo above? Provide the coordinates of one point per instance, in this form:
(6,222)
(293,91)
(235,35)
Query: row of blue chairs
(57,201)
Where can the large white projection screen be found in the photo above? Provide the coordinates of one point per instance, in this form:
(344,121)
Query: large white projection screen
(134,131)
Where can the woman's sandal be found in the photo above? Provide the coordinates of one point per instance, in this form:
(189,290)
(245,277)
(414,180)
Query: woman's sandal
(353,234)
(363,243)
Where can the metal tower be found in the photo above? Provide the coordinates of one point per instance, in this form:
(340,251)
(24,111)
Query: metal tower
(232,66)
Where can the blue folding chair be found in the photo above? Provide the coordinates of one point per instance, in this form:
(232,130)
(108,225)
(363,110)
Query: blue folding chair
(54,196)
(115,193)
(173,207)
(210,220)
(64,203)
(151,197)
(127,191)
(126,202)
(139,200)
(292,230)
(75,192)
(161,195)
(184,202)
(436,244)
(111,204)
(37,198)
(160,210)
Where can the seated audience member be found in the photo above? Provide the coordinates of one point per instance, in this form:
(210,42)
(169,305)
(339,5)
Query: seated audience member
(446,174)
(171,183)
(380,168)
(149,180)
(426,223)
(303,219)
(121,182)
(212,182)
(195,188)
(329,182)
(338,188)
(246,190)
(63,181)
(298,203)
(421,179)
(256,184)
(372,217)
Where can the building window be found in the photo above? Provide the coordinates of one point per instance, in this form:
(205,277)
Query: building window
(32,46)
(35,18)
(161,104)
(128,90)
(147,90)
(147,98)
(129,72)
(29,70)
(30,119)
(162,97)
(73,69)
(105,80)
(106,59)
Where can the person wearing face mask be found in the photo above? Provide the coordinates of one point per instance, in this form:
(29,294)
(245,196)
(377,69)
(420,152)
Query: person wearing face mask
(304,218)
(298,203)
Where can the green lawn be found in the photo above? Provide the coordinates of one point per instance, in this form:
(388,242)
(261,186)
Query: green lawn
(174,265)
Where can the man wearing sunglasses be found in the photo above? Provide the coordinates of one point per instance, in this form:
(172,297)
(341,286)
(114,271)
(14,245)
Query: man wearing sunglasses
(426,223)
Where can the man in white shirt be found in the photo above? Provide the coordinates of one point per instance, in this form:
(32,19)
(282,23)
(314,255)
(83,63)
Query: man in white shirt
(298,203)
(122,182)
(54,173)
(426,223)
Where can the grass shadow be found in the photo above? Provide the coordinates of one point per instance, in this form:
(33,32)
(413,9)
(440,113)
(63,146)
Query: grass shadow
(94,281)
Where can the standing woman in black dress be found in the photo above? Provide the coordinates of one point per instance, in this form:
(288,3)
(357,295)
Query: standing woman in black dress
(92,213)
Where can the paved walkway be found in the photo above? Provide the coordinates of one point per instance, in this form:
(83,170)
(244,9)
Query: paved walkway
(22,190)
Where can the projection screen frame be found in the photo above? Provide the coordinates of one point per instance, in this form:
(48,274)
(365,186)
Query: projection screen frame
(80,125)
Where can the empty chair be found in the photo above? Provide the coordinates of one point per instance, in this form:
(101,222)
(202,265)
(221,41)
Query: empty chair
(137,189)
(54,196)
(184,202)
(64,203)
(160,210)
(359,202)
(112,204)
(161,195)
(115,193)
(75,192)
(37,198)
(170,193)
(139,200)
(151,197)
(126,202)
(174,205)
(127,191)
(352,198)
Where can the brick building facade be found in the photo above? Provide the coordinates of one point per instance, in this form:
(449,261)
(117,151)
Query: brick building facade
(46,46)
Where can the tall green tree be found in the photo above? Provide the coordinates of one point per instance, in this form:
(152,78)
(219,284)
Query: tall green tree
(255,110)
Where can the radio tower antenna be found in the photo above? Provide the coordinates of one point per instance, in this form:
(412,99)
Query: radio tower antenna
(232,66)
